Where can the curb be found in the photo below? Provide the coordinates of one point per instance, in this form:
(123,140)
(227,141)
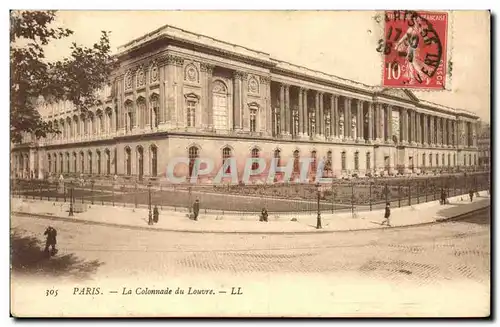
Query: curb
(161,229)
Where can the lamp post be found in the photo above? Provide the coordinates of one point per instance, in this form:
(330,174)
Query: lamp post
(318,218)
(92,182)
(150,216)
(70,199)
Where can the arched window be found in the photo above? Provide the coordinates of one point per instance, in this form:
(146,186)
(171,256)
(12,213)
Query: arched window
(368,161)
(155,109)
(449,159)
(437,159)
(454,159)
(61,161)
(219,105)
(470,159)
(226,154)
(141,112)
(49,160)
(343,160)
(75,165)
(90,162)
(82,162)
(253,119)
(442,160)
(67,163)
(191,103)
(296,162)
(277,156)
(423,160)
(475,160)
(255,155)
(154,161)
(356,160)
(98,155)
(140,162)
(314,163)
(329,160)
(129,116)
(430,159)
(108,161)
(128,161)
(193,155)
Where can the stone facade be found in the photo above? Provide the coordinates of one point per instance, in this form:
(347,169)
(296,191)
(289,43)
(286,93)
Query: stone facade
(179,94)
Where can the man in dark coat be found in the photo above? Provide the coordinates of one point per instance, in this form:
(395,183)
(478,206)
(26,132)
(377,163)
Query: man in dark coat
(51,240)
(387,215)
(263,215)
(471,194)
(156,214)
(196,209)
(443,196)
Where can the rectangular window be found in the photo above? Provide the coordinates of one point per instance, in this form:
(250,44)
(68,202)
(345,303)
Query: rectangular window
(191,112)
(253,120)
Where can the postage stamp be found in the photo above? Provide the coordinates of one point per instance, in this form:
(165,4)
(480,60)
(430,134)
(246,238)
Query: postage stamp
(414,48)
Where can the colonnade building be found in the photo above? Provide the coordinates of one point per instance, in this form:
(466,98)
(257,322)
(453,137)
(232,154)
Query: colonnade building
(181,94)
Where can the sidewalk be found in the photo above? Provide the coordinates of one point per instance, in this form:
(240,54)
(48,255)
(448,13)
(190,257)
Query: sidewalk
(211,223)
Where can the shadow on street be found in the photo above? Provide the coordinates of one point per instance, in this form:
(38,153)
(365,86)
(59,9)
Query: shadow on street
(28,257)
(481,217)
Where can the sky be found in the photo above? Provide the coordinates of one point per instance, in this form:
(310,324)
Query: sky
(341,43)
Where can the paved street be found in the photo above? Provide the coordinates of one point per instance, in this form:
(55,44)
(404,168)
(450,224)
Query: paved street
(452,257)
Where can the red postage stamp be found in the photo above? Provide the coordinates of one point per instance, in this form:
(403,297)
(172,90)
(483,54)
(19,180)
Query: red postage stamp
(414,48)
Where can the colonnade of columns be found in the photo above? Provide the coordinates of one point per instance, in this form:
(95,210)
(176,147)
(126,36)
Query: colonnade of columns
(306,113)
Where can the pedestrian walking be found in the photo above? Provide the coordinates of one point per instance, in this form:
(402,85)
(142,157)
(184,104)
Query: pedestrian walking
(156,214)
(471,194)
(196,209)
(443,196)
(51,240)
(263,215)
(387,215)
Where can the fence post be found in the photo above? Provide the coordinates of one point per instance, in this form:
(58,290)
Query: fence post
(409,192)
(333,197)
(399,195)
(135,195)
(371,182)
(418,191)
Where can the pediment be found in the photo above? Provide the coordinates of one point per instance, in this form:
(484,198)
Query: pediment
(400,94)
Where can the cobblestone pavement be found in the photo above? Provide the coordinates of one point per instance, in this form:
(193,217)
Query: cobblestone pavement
(457,248)
(454,253)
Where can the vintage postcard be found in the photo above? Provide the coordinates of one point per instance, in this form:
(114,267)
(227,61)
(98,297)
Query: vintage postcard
(250,163)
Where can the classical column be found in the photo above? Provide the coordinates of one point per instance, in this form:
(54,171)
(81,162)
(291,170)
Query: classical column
(266,116)
(316,116)
(380,122)
(321,117)
(336,121)
(301,113)
(333,117)
(347,117)
(370,122)
(288,113)
(237,77)
(282,108)
(388,124)
(403,125)
(413,127)
(207,69)
(360,121)
(432,131)
(425,130)
(305,114)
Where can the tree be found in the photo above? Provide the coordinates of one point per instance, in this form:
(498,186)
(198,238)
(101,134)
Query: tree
(76,78)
